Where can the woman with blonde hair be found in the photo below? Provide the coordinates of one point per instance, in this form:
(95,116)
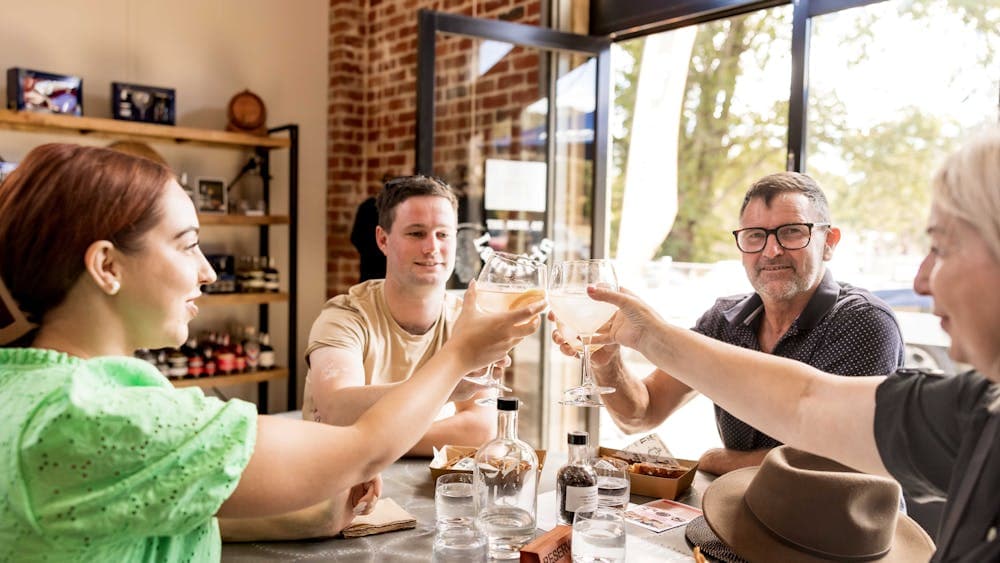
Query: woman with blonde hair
(938,436)
(103,460)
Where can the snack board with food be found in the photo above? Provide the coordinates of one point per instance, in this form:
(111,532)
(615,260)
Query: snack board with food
(655,476)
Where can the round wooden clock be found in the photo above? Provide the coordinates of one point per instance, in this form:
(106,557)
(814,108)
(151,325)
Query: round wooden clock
(247,114)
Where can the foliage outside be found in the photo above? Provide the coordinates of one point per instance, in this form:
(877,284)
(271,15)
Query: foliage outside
(875,171)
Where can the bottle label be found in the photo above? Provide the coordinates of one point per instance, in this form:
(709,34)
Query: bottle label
(581,498)
(266,360)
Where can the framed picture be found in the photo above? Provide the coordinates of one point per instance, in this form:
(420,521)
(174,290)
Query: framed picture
(211,195)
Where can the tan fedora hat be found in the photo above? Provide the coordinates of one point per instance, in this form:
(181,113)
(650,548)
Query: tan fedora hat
(800,507)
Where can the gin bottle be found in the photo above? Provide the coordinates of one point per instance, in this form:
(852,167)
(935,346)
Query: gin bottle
(505,481)
(576,482)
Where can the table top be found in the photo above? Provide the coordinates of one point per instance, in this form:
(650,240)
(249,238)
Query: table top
(409,483)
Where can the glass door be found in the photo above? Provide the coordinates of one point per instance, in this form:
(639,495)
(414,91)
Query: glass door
(514,117)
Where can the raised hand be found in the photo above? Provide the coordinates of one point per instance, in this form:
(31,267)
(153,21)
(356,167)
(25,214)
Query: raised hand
(467,389)
(570,345)
(630,324)
(481,337)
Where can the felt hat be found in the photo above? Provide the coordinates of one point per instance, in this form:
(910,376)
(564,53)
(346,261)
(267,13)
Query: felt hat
(800,507)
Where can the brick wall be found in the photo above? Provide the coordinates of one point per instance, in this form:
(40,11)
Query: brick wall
(372,106)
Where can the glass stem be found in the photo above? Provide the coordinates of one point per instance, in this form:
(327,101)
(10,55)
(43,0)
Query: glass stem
(588,378)
(494,381)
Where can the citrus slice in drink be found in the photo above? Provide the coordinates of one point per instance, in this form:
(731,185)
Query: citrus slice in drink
(527,298)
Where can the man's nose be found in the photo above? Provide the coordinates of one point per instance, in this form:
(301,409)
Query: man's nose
(771,246)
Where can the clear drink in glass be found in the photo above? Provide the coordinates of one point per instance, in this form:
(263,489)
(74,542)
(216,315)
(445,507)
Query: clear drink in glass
(612,483)
(599,537)
(453,501)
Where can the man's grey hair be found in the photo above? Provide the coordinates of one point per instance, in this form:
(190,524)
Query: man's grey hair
(770,186)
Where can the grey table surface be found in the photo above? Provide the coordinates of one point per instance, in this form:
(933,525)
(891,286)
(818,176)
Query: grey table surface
(408,482)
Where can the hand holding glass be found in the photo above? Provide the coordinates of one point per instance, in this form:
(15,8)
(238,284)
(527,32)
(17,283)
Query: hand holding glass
(575,309)
(506,282)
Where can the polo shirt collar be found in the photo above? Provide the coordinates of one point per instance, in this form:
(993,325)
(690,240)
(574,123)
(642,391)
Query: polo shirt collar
(749,310)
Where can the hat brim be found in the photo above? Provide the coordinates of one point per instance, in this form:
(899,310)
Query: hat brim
(731,520)
(697,533)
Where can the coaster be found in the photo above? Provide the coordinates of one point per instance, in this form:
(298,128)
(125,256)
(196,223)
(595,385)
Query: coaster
(387,517)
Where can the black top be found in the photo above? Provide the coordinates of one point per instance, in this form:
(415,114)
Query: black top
(937,438)
(507,404)
(843,330)
(363,238)
(576,438)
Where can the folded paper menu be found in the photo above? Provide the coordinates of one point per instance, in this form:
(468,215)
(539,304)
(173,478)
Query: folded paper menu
(387,517)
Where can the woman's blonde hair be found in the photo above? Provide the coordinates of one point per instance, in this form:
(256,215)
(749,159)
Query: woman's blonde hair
(967,187)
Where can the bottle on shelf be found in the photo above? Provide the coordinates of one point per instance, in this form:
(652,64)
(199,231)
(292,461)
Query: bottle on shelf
(271,279)
(576,482)
(195,361)
(251,347)
(240,361)
(225,356)
(505,484)
(266,359)
(208,353)
(177,364)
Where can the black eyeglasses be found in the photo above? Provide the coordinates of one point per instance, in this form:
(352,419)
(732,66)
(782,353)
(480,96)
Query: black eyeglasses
(792,236)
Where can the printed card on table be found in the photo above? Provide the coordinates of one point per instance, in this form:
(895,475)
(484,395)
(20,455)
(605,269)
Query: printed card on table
(661,515)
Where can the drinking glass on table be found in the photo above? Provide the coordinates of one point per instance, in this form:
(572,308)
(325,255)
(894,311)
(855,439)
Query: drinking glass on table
(575,309)
(612,483)
(506,282)
(453,501)
(459,545)
(599,536)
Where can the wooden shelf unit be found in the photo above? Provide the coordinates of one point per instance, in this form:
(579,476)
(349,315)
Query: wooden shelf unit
(131,130)
(235,379)
(242,220)
(217,299)
(281,137)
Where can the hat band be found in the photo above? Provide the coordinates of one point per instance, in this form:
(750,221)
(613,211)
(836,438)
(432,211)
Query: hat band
(811,550)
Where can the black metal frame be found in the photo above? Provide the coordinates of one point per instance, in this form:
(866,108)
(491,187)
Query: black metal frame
(293,260)
(430,23)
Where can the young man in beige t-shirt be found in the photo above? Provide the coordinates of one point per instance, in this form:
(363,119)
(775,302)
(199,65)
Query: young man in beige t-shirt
(376,336)
(381,331)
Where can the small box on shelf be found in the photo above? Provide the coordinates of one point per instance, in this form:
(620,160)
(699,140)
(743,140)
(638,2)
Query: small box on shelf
(44,92)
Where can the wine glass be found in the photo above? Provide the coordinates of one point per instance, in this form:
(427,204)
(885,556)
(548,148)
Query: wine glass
(506,282)
(584,316)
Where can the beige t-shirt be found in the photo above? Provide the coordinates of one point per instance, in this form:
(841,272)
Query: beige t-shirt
(359,321)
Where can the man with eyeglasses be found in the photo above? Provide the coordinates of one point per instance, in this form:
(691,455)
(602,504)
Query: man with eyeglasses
(798,311)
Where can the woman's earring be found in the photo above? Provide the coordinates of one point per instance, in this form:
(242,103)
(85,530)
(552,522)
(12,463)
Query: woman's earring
(116,286)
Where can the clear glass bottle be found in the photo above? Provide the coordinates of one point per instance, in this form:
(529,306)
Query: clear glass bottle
(505,481)
(576,482)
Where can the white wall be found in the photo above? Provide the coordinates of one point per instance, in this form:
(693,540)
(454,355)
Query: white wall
(207,50)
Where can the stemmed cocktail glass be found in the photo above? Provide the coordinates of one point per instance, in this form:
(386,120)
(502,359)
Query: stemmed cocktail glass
(575,309)
(506,282)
